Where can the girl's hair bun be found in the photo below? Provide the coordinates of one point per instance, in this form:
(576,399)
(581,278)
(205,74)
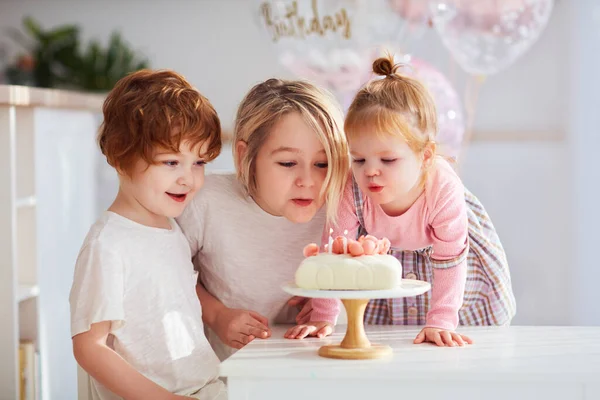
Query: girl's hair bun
(385,66)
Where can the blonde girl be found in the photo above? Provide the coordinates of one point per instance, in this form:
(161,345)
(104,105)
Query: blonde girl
(247,230)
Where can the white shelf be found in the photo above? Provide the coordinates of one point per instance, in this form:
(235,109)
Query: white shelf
(26,292)
(24,202)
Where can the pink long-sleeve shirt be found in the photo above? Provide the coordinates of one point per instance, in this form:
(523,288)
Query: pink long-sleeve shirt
(438,218)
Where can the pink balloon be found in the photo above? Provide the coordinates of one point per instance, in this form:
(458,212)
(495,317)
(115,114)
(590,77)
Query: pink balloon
(342,71)
(415,11)
(451,122)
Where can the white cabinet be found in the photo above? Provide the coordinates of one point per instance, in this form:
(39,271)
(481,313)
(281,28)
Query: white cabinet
(49,184)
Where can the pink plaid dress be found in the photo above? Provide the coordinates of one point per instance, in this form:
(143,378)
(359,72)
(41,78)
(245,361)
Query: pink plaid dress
(488,298)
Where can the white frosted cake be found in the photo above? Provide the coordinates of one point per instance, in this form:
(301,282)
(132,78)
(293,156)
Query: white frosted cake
(343,272)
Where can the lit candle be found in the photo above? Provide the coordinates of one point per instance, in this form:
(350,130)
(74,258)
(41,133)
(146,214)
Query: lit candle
(345,241)
(330,244)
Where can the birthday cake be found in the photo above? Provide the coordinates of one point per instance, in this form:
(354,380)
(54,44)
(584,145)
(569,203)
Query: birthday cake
(331,271)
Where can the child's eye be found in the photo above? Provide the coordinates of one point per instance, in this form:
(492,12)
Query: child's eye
(358,160)
(200,163)
(171,163)
(289,164)
(388,160)
(321,165)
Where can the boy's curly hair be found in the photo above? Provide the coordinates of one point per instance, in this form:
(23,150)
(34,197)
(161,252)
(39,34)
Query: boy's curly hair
(150,110)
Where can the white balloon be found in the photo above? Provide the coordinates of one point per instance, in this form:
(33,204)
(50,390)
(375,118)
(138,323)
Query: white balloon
(487,36)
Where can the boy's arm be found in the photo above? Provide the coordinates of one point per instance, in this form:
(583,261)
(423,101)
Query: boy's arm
(112,371)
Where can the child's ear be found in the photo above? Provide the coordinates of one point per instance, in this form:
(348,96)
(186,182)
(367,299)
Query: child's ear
(240,150)
(429,154)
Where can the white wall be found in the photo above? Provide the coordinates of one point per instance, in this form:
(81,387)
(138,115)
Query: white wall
(584,140)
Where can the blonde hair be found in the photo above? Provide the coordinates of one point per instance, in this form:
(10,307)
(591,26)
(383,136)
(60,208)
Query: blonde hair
(266,104)
(394,105)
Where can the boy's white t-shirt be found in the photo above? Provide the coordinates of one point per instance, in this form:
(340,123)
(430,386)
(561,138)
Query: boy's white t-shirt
(141,279)
(244,254)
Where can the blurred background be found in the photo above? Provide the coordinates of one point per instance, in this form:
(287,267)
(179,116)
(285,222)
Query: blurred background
(515,82)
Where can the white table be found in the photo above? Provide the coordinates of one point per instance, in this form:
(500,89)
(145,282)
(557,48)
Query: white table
(505,363)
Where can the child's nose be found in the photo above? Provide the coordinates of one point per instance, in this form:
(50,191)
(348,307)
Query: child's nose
(186,178)
(305,179)
(371,171)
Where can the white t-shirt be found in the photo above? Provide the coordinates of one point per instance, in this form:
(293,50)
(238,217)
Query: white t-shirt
(141,279)
(244,254)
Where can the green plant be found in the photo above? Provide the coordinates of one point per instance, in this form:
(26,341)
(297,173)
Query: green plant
(51,51)
(99,69)
(59,61)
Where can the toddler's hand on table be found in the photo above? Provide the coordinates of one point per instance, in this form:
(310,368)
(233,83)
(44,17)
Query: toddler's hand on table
(318,329)
(236,328)
(304,305)
(442,337)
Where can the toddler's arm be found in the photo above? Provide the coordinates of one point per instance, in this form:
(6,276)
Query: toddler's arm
(108,368)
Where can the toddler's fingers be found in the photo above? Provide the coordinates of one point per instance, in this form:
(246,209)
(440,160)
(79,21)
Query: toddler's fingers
(324,331)
(288,333)
(447,338)
(437,339)
(305,331)
(293,332)
(457,339)
(467,339)
(420,338)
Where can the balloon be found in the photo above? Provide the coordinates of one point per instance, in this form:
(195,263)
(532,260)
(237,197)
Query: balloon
(451,122)
(487,36)
(414,11)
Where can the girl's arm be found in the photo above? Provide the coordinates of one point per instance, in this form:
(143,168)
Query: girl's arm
(108,368)
(211,306)
(449,231)
(447,293)
(236,328)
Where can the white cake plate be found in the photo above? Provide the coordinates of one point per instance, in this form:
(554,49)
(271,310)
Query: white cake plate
(356,345)
(407,288)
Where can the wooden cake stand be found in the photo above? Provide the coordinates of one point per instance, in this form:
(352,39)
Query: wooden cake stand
(356,345)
